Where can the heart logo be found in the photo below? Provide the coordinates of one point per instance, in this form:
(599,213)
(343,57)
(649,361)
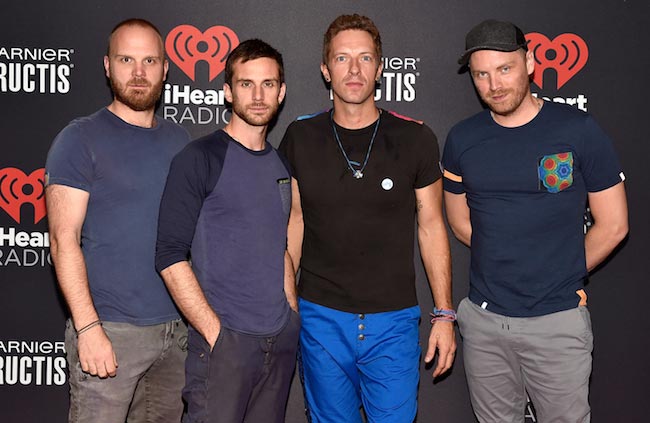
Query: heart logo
(567,54)
(16,189)
(186,45)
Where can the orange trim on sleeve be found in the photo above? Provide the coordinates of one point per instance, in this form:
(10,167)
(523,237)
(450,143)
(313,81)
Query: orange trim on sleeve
(452,177)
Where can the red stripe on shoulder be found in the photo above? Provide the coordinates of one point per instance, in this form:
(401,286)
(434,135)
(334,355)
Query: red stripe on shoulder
(397,115)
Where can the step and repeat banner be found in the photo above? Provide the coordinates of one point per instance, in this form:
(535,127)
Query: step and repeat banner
(591,55)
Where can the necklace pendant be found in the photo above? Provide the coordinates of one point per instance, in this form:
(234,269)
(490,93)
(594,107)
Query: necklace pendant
(357,174)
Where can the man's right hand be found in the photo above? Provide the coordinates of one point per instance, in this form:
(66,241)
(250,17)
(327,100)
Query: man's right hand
(211,337)
(96,353)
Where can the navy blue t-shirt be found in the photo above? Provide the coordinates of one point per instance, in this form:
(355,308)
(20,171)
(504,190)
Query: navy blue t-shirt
(229,206)
(123,167)
(527,188)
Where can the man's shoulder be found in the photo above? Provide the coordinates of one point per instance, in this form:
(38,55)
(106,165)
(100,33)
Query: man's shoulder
(213,143)
(471,128)
(474,121)
(564,112)
(171,126)
(406,127)
(401,119)
(89,121)
(310,121)
(78,129)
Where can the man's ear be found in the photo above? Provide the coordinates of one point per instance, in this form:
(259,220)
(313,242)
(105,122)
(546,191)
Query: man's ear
(326,72)
(227,92)
(107,66)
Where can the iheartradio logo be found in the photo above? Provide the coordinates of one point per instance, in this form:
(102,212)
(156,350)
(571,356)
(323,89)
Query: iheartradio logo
(567,54)
(186,45)
(17,188)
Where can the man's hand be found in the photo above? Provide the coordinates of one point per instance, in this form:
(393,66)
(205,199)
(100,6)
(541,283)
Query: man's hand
(443,338)
(96,353)
(213,335)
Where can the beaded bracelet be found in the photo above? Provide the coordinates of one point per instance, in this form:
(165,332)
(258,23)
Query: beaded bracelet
(441,314)
(89,326)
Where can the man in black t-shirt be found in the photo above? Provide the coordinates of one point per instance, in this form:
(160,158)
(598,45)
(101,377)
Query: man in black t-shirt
(361,176)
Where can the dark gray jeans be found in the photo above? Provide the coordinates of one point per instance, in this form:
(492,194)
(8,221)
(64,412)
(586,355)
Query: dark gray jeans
(149,380)
(245,378)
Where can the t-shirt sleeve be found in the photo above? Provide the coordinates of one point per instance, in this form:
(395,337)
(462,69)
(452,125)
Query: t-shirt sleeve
(286,149)
(452,176)
(598,160)
(428,158)
(69,161)
(188,184)
(285,162)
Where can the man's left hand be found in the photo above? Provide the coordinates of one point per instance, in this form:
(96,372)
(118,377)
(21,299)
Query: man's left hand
(443,338)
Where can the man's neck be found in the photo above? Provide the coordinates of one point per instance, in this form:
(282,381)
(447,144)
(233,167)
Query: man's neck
(355,116)
(251,137)
(144,119)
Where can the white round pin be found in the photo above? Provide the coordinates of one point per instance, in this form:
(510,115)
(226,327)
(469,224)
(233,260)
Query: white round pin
(387,184)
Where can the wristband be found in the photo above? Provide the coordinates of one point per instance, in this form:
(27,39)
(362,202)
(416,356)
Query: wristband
(442,314)
(89,326)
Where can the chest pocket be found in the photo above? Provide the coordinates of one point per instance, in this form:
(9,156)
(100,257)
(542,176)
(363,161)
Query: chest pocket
(284,186)
(555,172)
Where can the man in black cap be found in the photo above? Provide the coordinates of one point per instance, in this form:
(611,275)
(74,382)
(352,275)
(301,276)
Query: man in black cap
(517,177)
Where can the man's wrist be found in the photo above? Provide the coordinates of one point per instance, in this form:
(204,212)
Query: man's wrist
(443,315)
(89,326)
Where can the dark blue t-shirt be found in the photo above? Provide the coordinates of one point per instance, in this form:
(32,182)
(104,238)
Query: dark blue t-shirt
(527,189)
(123,168)
(230,206)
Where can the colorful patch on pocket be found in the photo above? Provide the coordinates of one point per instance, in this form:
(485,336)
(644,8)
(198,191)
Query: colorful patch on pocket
(556,171)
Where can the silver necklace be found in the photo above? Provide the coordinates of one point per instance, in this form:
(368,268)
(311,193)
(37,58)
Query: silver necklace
(357,173)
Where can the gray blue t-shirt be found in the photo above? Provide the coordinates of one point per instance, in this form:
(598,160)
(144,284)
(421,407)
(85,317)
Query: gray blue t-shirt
(123,167)
(227,207)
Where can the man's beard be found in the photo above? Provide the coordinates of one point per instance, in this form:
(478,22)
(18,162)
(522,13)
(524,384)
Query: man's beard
(137,99)
(254,119)
(508,107)
(516,95)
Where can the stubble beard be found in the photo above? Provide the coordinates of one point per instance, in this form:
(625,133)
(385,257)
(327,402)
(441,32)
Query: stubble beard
(254,119)
(516,98)
(508,107)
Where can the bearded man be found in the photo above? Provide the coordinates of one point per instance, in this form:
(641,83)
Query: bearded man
(105,175)
(517,179)
(226,205)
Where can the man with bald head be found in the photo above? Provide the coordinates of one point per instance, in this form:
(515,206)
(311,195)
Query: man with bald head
(105,173)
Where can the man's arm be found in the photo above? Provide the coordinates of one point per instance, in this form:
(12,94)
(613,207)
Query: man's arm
(458,216)
(188,295)
(290,282)
(609,210)
(66,209)
(296,229)
(434,248)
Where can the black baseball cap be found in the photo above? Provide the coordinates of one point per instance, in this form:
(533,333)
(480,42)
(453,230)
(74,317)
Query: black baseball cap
(493,35)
